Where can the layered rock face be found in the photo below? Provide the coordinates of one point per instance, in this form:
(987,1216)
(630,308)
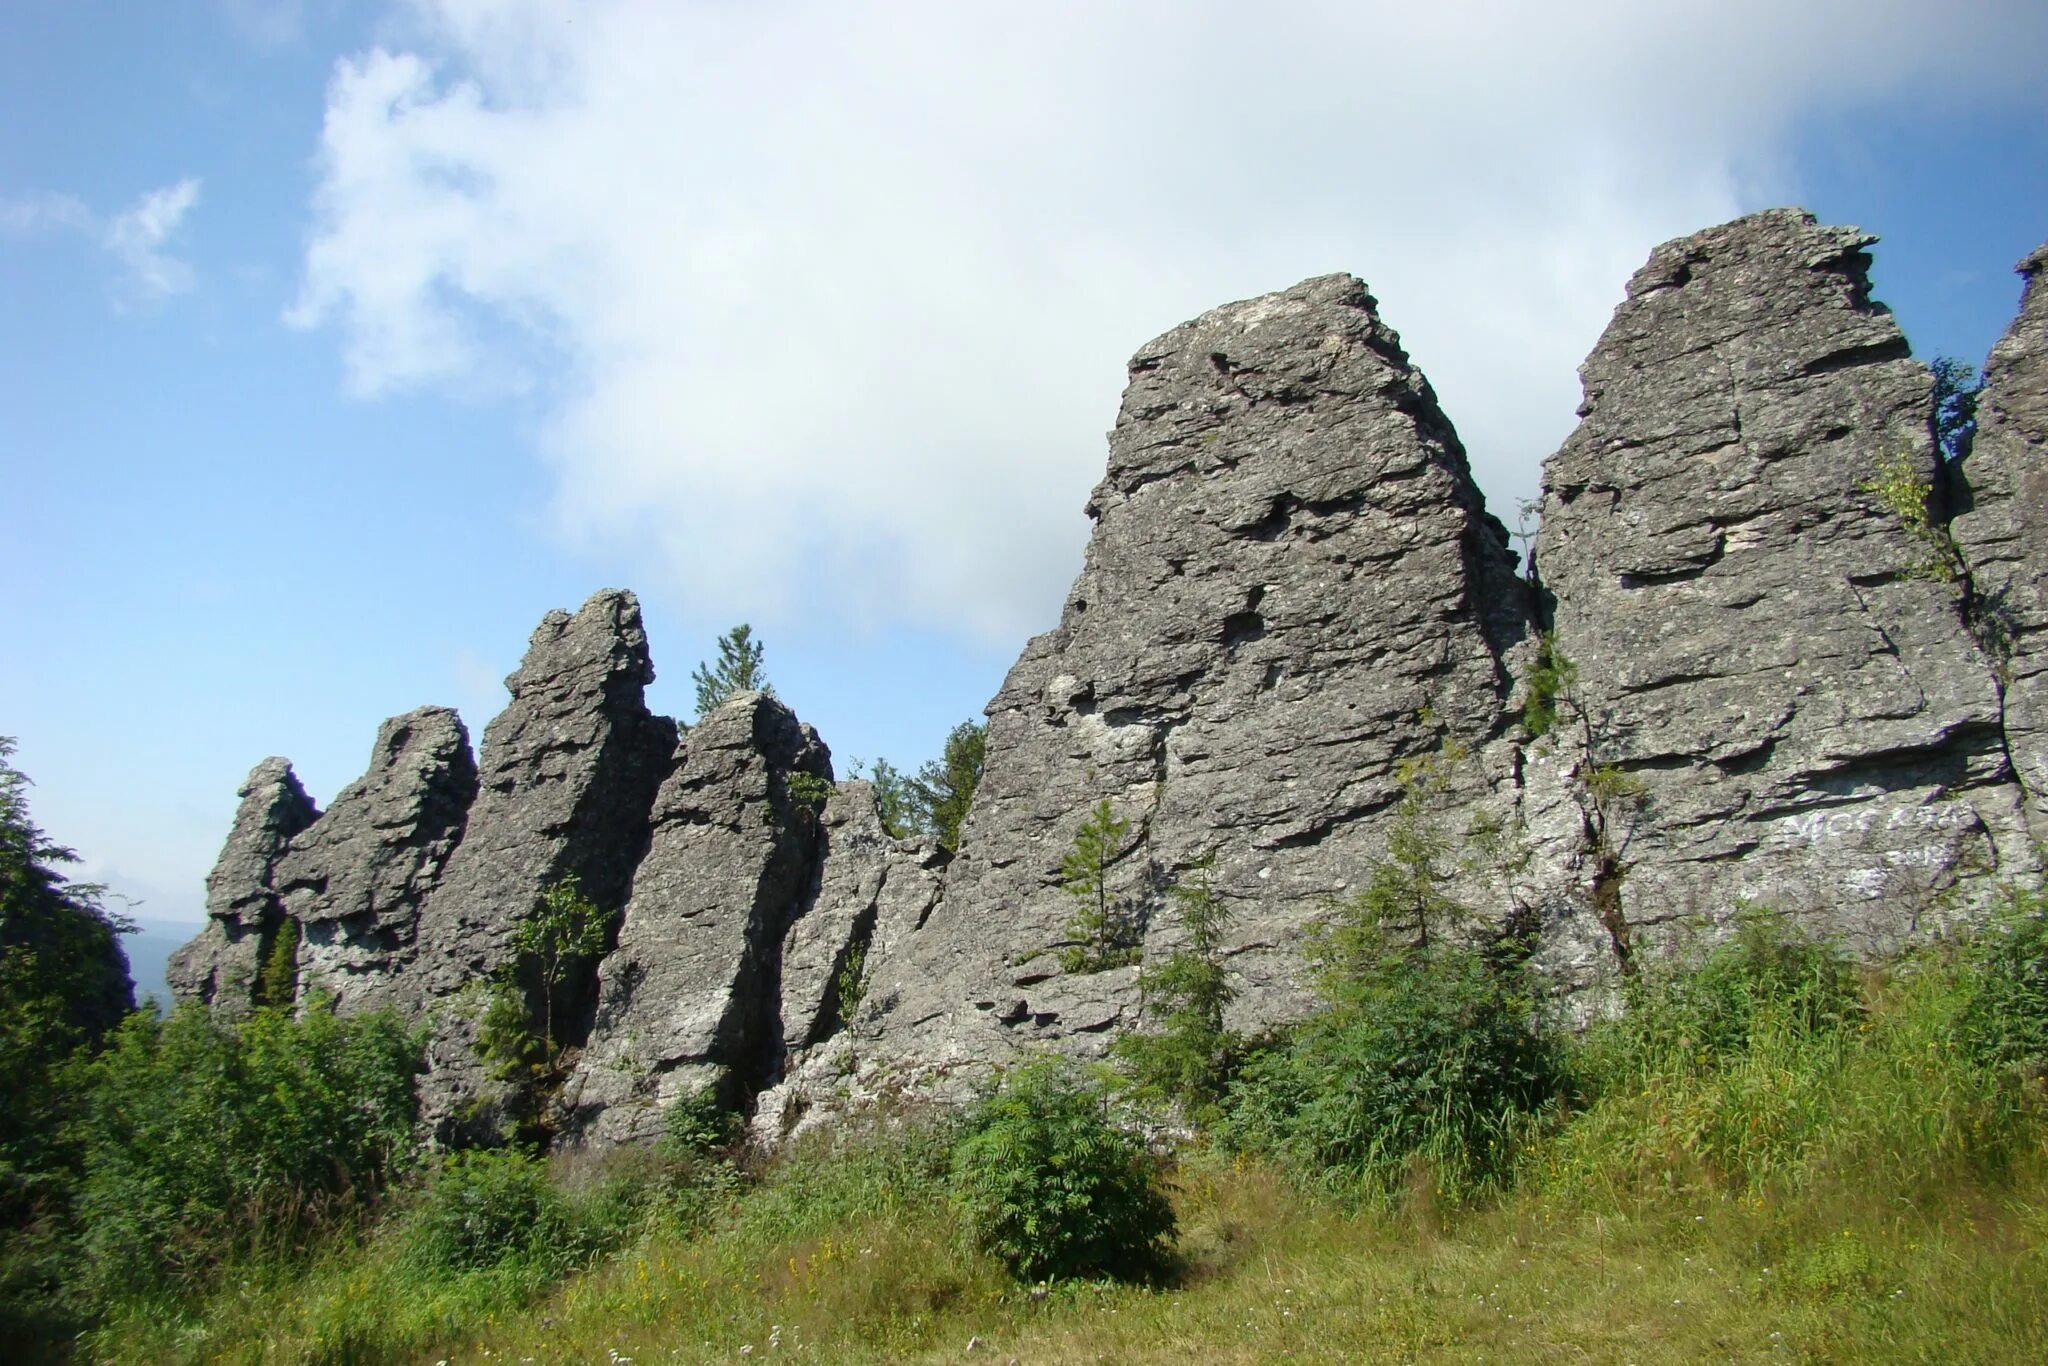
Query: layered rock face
(355,879)
(2004,526)
(1784,704)
(1292,584)
(691,996)
(569,773)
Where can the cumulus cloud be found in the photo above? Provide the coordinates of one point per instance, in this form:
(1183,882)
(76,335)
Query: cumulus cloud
(829,302)
(136,237)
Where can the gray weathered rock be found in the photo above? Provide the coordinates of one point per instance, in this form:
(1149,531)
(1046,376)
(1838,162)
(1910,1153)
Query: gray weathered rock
(243,909)
(874,893)
(1292,585)
(354,880)
(2003,530)
(691,995)
(568,774)
(1811,724)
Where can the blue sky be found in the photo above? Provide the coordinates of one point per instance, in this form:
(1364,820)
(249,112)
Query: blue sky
(338,342)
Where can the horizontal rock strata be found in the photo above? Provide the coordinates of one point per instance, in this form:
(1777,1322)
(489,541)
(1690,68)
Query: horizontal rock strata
(1770,668)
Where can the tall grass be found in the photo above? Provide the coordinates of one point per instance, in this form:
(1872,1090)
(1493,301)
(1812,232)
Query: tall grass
(1773,1154)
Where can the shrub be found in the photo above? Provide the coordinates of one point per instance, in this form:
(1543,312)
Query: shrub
(485,1209)
(1427,1053)
(1049,1186)
(2005,1023)
(203,1138)
(1104,933)
(1773,1064)
(1187,1059)
(1683,1018)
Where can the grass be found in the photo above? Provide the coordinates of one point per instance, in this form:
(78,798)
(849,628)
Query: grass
(1836,1175)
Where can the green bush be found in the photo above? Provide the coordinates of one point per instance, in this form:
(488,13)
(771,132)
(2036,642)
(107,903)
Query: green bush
(1104,932)
(1681,1017)
(202,1138)
(1431,1054)
(1049,1186)
(484,1209)
(2005,1024)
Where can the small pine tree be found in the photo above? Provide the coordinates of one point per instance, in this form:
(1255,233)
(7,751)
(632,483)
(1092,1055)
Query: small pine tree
(567,930)
(1187,1059)
(738,669)
(1956,386)
(896,800)
(1103,934)
(277,982)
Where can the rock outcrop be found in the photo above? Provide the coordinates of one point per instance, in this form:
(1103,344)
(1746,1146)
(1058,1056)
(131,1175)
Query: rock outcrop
(354,880)
(1292,586)
(1764,685)
(2004,526)
(1784,703)
(847,963)
(690,998)
(569,773)
(244,911)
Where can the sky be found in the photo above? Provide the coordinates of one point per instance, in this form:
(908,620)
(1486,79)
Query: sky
(339,342)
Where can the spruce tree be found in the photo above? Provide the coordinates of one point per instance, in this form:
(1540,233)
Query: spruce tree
(738,669)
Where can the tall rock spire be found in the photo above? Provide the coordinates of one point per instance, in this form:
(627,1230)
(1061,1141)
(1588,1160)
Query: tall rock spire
(1292,586)
(1780,690)
(244,911)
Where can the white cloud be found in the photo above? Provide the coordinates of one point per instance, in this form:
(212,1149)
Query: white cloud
(136,237)
(831,301)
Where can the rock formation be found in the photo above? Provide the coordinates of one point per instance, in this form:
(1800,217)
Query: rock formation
(1292,585)
(244,911)
(355,879)
(2004,525)
(690,997)
(569,773)
(1763,652)
(1764,685)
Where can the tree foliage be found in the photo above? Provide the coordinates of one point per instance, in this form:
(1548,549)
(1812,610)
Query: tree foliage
(944,787)
(737,669)
(1186,1058)
(1956,388)
(63,984)
(933,802)
(565,933)
(1103,932)
(202,1138)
